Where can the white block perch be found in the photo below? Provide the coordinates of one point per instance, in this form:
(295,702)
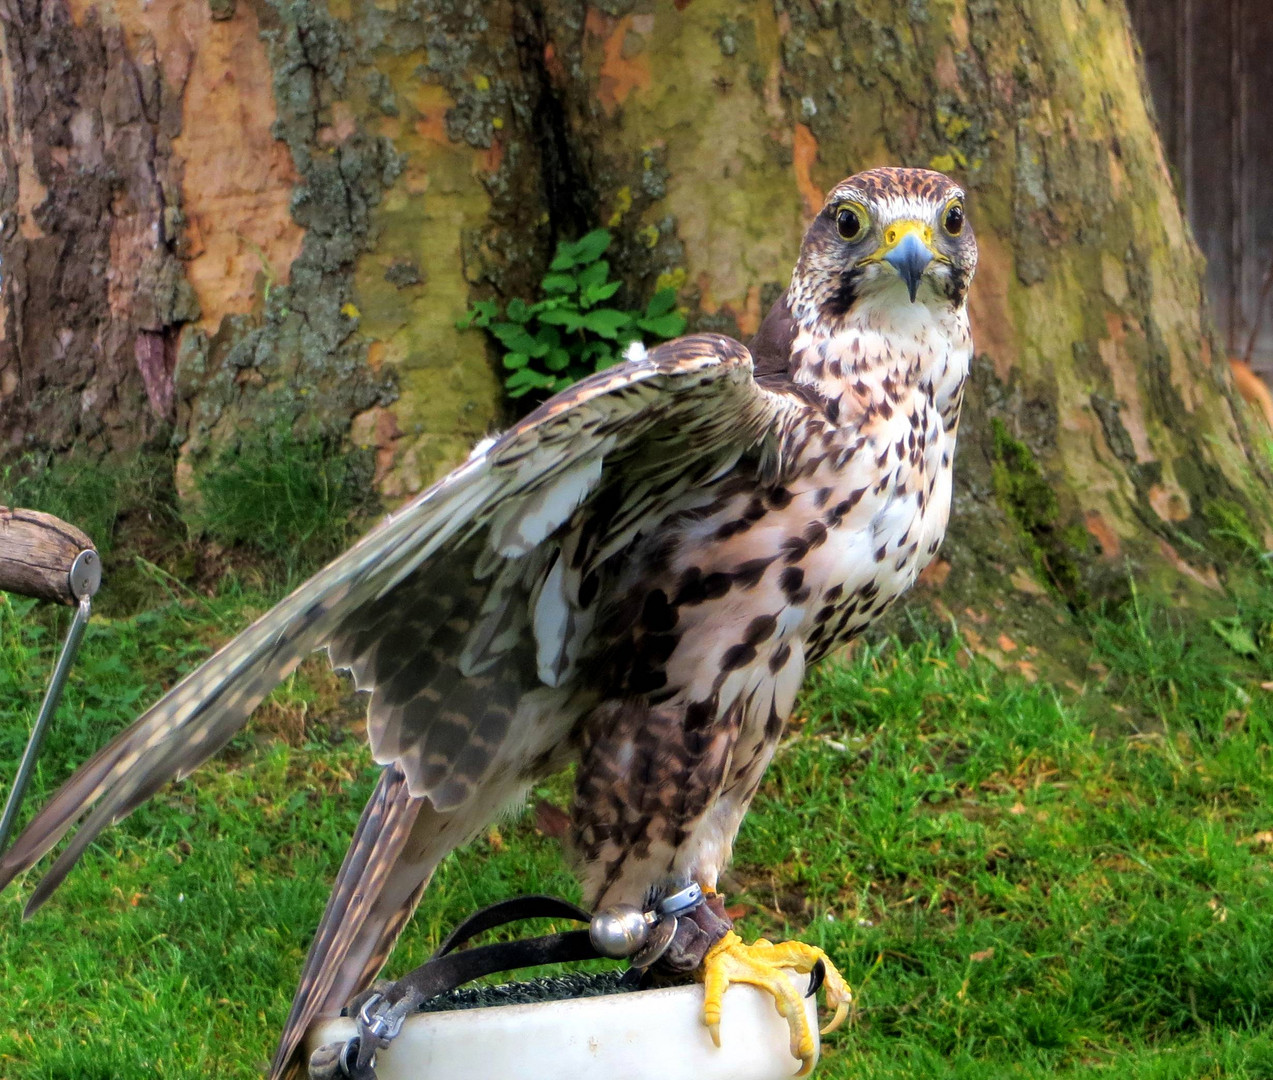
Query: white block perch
(640,1035)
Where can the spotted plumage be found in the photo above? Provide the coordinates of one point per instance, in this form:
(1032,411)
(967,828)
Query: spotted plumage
(635,577)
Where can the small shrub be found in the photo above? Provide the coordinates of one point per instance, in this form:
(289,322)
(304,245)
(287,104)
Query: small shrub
(570,332)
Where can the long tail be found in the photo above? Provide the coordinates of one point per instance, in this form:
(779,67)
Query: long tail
(390,860)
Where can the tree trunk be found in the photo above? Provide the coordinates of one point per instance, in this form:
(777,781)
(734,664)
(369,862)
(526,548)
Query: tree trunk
(219,214)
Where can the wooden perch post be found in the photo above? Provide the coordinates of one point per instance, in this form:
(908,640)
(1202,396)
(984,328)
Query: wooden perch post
(37,552)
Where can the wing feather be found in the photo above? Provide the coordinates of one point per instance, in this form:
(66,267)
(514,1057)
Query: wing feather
(686,410)
(377,842)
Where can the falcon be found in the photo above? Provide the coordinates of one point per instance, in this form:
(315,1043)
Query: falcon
(634,578)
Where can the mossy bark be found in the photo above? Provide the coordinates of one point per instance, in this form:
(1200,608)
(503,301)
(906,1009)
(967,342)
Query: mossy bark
(332,184)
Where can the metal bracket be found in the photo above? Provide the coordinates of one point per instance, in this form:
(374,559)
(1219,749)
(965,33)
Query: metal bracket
(85,579)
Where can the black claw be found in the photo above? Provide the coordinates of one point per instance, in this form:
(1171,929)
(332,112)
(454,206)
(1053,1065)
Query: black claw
(816,978)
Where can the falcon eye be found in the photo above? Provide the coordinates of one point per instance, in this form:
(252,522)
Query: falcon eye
(954,219)
(849,222)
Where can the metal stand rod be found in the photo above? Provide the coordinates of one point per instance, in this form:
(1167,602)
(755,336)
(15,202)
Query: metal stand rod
(85,577)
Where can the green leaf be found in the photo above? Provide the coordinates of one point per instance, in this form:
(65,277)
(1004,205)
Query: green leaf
(593,275)
(1235,634)
(479,315)
(589,248)
(513,336)
(664,326)
(519,383)
(607,360)
(515,360)
(524,380)
(660,303)
(566,256)
(519,311)
(548,338)
(606,321)
(557,360)
(571,320)
(594,294)
(560,284)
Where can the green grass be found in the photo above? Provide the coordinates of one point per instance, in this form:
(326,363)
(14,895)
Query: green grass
(71,489)
(271,509)
(1019,883)
(291,500)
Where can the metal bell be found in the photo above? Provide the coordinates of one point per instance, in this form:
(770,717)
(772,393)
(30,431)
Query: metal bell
(619,931)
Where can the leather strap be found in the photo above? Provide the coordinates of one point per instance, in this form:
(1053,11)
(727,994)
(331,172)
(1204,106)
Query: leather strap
(534,906)
(382,1014)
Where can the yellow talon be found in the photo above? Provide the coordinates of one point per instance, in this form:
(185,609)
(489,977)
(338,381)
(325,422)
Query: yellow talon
(764,965)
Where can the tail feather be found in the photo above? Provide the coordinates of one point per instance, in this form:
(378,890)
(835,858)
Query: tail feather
(375,892)
(397,845)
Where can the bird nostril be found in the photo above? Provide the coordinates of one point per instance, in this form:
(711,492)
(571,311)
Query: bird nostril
(890,237)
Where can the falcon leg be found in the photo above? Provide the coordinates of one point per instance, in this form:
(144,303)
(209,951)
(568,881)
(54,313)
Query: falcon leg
(696,932)
(763,965)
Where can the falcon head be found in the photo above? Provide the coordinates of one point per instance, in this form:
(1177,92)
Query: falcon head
(885,237)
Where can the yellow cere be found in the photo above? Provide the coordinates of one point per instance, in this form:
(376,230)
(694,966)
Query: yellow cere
(894,233)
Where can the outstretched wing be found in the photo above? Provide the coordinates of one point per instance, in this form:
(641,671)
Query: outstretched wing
(492,564)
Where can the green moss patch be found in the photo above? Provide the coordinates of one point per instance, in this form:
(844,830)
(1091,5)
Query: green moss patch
(1028,499)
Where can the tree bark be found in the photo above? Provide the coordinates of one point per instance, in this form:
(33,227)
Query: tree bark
(243,210)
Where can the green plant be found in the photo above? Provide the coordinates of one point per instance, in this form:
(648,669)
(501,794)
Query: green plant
(570,332)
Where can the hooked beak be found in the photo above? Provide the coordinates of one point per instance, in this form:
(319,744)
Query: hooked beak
(909,258)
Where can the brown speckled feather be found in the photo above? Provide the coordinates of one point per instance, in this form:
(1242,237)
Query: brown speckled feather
(771,347)
(636,575)
(354,910)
